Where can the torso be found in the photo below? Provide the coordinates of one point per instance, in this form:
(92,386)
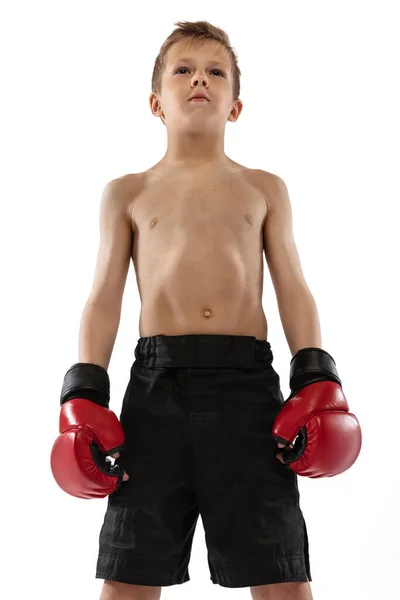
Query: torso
(198,250)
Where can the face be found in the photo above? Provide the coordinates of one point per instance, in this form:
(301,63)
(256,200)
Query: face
(196,68)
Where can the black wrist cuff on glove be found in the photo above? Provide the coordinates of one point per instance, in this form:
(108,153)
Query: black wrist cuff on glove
(86,380)
(310,365)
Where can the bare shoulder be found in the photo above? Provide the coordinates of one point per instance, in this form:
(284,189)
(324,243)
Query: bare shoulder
(272,186)
(123,191)
(127,186)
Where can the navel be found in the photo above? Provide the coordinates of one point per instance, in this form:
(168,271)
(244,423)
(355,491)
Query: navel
(207,313)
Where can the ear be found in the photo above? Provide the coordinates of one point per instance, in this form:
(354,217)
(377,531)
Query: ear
(155,105)
(235,111)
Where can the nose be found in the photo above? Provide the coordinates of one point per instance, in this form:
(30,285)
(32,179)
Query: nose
(196,79)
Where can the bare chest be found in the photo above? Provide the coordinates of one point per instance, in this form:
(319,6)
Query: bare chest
(215,207)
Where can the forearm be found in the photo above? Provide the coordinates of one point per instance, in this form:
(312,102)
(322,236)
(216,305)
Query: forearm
(97,334)
(300,321)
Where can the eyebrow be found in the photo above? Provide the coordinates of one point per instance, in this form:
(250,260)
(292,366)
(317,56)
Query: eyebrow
(214,62)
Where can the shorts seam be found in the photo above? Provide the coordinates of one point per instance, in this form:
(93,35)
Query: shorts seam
(127,555)
(258,560)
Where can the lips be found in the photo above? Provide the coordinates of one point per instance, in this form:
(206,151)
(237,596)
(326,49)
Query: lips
(199,96)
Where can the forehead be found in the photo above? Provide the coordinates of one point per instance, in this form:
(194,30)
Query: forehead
(207,50)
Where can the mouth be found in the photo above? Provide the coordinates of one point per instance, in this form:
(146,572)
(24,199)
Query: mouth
(199,97)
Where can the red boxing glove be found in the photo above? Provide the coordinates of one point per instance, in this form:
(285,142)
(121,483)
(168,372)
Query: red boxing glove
(328,435)
(89,433)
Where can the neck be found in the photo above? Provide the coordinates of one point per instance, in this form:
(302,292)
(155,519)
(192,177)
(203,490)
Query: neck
(194,150)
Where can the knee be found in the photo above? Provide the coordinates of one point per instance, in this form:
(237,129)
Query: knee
(282,591)
(115,590)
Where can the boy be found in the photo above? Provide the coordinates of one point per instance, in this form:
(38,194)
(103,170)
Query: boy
(199,421)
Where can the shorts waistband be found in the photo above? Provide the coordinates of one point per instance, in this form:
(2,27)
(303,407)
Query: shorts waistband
(196,351)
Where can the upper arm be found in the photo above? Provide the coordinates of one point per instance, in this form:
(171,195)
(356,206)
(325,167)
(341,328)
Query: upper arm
(280,248)
(114,248)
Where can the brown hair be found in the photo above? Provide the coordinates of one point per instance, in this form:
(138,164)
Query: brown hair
(196,31)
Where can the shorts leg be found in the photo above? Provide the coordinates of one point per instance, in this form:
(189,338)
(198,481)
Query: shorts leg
(148,528)
(248,500)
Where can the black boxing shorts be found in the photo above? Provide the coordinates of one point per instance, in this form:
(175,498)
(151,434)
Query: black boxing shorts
(197,415)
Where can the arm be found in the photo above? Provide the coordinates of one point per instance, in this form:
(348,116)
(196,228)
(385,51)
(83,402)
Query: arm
(297,307)
(315,417)
(102,311)
(89,431)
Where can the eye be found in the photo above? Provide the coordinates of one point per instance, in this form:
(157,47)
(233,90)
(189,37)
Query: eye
(186,69)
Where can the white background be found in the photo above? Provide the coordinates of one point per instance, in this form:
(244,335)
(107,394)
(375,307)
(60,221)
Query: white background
(321,110)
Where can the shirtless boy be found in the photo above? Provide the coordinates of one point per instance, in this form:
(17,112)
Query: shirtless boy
(204,428)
